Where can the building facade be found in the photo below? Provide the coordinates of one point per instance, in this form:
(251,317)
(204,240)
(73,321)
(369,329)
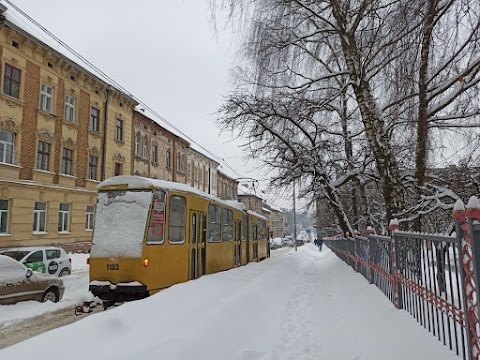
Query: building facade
(201,171)
(278,222)
(62,130)
(157,152)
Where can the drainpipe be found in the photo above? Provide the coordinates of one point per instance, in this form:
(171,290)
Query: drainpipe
(105,136)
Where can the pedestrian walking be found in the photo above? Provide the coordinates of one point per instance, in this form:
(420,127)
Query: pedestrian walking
(319,244)
(315,242)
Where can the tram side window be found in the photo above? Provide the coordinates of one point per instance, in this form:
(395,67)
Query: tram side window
(156,226)
(214,223)
(244,227)
(176,219)
(262,230)
(227,228)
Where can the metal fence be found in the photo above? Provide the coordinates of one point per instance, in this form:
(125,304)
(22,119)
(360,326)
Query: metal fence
(433,277)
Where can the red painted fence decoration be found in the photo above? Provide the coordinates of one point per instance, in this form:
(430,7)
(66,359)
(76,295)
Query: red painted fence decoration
(433,277)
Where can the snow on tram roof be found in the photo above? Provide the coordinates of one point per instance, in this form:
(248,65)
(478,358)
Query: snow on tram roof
(139,182)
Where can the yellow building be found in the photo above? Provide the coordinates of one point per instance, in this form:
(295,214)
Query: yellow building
(62,130)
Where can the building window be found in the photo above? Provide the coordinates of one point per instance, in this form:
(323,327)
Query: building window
(39,216)
(119,130)
(118,169)
(137,144)
(189,169)
(145,147)
(69,108)
(168,159)
(181,162)
(11,81)
(90,221)
(46,96)
(3,216)
(92,167)
(155,153)
(95,119)
(7,147)
(63,218)
(43,157)
(67,161)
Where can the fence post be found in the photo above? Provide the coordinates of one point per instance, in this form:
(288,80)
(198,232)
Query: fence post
(370,258)
(473,214)
(463,235)
(394,225)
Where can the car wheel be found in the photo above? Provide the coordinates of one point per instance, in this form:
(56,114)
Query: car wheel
(64,272)
(50,295)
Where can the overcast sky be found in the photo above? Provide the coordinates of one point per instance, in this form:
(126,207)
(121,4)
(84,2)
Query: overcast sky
(165,53)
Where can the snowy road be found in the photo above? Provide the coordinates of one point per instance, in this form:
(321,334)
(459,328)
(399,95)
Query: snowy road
(25,320)
(300,305)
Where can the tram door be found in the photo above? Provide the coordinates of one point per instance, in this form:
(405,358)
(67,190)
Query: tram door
(238,244)
(201,241)
(255,242)
(193,248)
(198,235)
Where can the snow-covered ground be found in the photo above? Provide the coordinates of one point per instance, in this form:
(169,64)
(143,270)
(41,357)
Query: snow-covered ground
(300,305)
(76,291)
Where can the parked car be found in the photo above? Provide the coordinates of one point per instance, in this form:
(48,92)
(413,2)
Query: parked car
(19,283)
(48,260)
(288,241)
(276,243)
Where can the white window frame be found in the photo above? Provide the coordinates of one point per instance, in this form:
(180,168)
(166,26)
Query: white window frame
(168,159)
(37,216)
(4,217)
(95,120)
(137,145)
(90,218)
(46,98)
(155,153)
(6,146)
(119,130)
(69,113)
(145,147)
(64,219)
(67,161)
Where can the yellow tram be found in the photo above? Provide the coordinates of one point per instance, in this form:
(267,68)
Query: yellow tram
(151,234)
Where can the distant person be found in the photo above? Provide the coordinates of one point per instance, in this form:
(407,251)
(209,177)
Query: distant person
(319,244)
(315,242)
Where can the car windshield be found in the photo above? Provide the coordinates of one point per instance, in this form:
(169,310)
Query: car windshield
(17,255)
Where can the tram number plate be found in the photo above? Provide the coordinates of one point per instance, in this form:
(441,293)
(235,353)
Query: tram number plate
(113,267)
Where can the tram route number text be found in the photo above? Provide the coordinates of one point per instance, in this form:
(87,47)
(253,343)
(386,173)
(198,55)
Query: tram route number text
(113,267)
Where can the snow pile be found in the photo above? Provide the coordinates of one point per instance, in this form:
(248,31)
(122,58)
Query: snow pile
(120,224)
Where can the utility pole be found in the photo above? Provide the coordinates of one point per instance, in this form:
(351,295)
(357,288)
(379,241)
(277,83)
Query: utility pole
(294,219)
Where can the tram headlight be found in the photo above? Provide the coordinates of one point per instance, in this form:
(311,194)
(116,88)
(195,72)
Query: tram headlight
(145,262)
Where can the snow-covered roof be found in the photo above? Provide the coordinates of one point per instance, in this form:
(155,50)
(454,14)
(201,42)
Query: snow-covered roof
(274,208)
(266,209)
(160,121)
(224,169)
(139,182)
(15,20)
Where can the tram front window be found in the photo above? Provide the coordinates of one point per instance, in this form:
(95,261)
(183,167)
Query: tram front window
(120,223)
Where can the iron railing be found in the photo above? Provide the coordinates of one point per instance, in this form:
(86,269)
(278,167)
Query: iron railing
(432,277)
